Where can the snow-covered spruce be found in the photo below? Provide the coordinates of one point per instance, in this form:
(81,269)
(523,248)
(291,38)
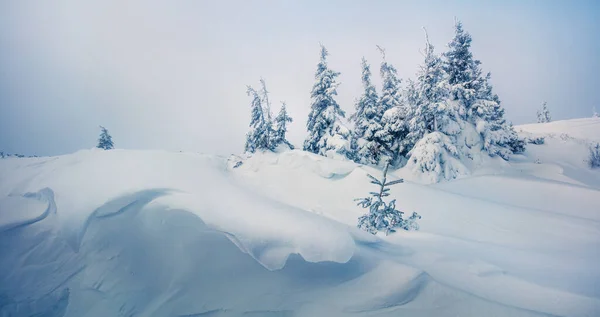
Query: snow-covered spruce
(280,128)
(487,114)
(105,141)
(382,215)
(258,138)
(327,135)
(367,144)
(543,115)
(393,134)
(265,134)
(462,71)
(264,94)
(429,112)
(395,113)
(474,99)
(437,158)
(594,158)
(390,90)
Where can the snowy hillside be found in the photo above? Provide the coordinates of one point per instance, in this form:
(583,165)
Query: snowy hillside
(147,233)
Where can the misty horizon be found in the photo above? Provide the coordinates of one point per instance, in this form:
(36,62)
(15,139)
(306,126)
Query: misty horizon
(174,76)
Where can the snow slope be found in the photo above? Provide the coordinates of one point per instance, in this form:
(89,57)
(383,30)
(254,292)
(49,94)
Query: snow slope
(148,233)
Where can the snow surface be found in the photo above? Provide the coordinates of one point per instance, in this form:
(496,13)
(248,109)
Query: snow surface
(149,233)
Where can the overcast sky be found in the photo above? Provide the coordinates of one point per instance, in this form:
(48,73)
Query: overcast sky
(172,74)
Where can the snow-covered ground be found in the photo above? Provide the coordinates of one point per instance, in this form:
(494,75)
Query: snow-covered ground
(147,233)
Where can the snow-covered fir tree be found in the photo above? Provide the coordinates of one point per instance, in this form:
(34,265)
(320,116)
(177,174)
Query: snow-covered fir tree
(280,128)
(390,91)
(435,123)
(462,71)
(382,215)
(499,136)
(437,157)
(594,113)
(395,113)
(264,94)
(411,94)
(430,112)
(105,140)
(457,116)
(517,145)
(393,134)
(327,135)
(472,97)
(367,147)
(258,138)
(543,115)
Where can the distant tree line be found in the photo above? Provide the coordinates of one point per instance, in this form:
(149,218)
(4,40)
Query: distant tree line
(6,155)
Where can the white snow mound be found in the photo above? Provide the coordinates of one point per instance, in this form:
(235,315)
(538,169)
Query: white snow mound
(149,233)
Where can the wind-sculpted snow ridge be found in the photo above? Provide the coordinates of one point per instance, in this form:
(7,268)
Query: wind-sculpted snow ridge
(11,216)
(129,256)
(267,230)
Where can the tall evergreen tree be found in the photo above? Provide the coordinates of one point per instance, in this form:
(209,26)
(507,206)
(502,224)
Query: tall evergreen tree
(264,94)
(436,121)
(544,114)
(105,141)
(430,112)
(367,146)
(327,135)
(390,91)
(471,95)
(499,136)
(280,130)
(462,71)
(395,113)
(258,138)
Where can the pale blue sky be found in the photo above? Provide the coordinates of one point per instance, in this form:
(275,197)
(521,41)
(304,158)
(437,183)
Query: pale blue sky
(172,74)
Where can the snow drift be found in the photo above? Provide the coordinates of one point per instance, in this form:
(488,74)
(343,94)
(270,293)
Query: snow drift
(147,233)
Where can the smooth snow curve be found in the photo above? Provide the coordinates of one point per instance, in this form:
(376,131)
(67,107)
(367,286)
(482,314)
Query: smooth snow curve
(146,233)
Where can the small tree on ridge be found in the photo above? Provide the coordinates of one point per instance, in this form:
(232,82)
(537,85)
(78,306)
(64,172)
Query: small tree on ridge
(382,215)
(105,141)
